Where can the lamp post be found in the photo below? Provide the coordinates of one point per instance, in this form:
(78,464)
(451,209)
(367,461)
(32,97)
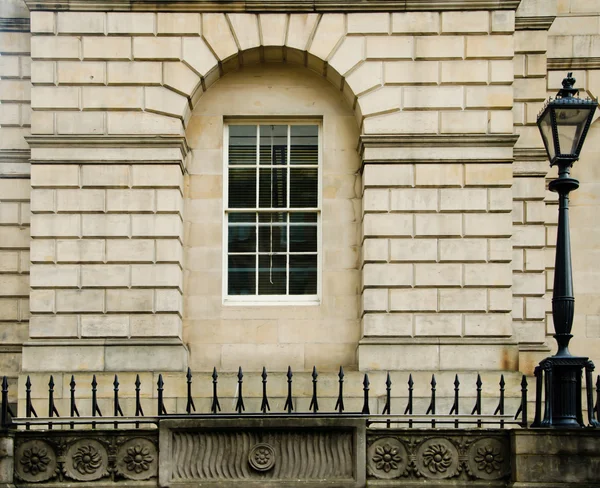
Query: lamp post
(563,123)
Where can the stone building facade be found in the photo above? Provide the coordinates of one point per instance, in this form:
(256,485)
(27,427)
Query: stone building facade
(435,231)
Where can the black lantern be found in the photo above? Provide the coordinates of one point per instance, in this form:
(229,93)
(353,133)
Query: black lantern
(564,123)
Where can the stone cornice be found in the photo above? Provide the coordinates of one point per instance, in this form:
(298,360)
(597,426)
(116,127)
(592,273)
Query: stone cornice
(530,154)
(534,23)
(108,142)
(446,140)
(270,5)
(14,154)
(15,24)
(573,63)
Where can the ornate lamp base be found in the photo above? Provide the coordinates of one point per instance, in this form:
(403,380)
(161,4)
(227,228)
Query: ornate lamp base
(561,377)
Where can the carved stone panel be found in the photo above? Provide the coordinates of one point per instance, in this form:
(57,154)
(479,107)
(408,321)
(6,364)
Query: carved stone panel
(255,451)
(421,456)
(86,457)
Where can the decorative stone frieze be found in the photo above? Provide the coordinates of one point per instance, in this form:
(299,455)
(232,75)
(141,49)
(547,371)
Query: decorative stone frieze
(83,457)
(445,455)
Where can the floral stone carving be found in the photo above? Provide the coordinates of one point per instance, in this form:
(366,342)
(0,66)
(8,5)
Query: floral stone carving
(86,460)
(137,459)
(35,461)
(262,457)
(387,458)
(437,458)
(488,459)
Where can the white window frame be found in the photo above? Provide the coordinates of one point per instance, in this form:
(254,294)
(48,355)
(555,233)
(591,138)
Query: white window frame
(271,300)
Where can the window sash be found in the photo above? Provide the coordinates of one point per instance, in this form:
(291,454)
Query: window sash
(293,267)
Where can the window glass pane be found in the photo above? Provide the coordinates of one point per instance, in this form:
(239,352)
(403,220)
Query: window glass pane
(303,275)
(272,238)
(303,238)
(241,217)
(242,144)
(272,217)
(241,279)
(303,184)
(242,238)
(273,144)
(272,275)
(305,217)
(242,188)
(273,188)
(304,144)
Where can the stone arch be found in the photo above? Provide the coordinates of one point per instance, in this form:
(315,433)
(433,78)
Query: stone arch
(229,41)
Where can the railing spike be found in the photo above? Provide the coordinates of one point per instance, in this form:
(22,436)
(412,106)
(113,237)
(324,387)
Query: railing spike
(95,408)
(339,405)
(73,410)
(138,404)
(589,393)
(597,407)
(366,384)
(477,407)
(288,401)
(456,405)
(239,406)
(409,406)
(314,403)
(264,406)
(190,401)
(4,421)
(116,405)
(500,407)
(160,388)
(431,408)
(29,410)
(388,400)
(215,406)
(52,411)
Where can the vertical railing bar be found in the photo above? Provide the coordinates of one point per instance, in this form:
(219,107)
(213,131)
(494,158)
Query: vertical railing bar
(314,402)
(538,372)
(500,407)
(51,406)
(190,400)
(366,383)
(431,408)
(215,399)
(387,408)
(288,401)
(264,405)
(4,417)
(160,389)
(29,410)
(339,405)
(597,407)
(409,407)
(138,404)
(455,406)
(116,404)
(95,408)
(239,406)
(477,407)
(73,410)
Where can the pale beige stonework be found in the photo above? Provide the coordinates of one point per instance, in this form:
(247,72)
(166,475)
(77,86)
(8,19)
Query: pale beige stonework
(438,232)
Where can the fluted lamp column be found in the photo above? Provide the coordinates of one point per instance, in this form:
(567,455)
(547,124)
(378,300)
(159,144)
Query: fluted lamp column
(564,123)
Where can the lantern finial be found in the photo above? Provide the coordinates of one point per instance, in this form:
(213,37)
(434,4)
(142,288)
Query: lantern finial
(567,90)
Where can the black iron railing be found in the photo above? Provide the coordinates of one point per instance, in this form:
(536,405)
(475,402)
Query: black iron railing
(431,418)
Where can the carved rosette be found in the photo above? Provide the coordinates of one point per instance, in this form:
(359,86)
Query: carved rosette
(35,461)
(437,458)
(86,460)
(387,458)
(488,459)
(262,457)
(137,459)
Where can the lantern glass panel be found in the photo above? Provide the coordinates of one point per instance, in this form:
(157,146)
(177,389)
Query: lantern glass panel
(545,125)
(570,123)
